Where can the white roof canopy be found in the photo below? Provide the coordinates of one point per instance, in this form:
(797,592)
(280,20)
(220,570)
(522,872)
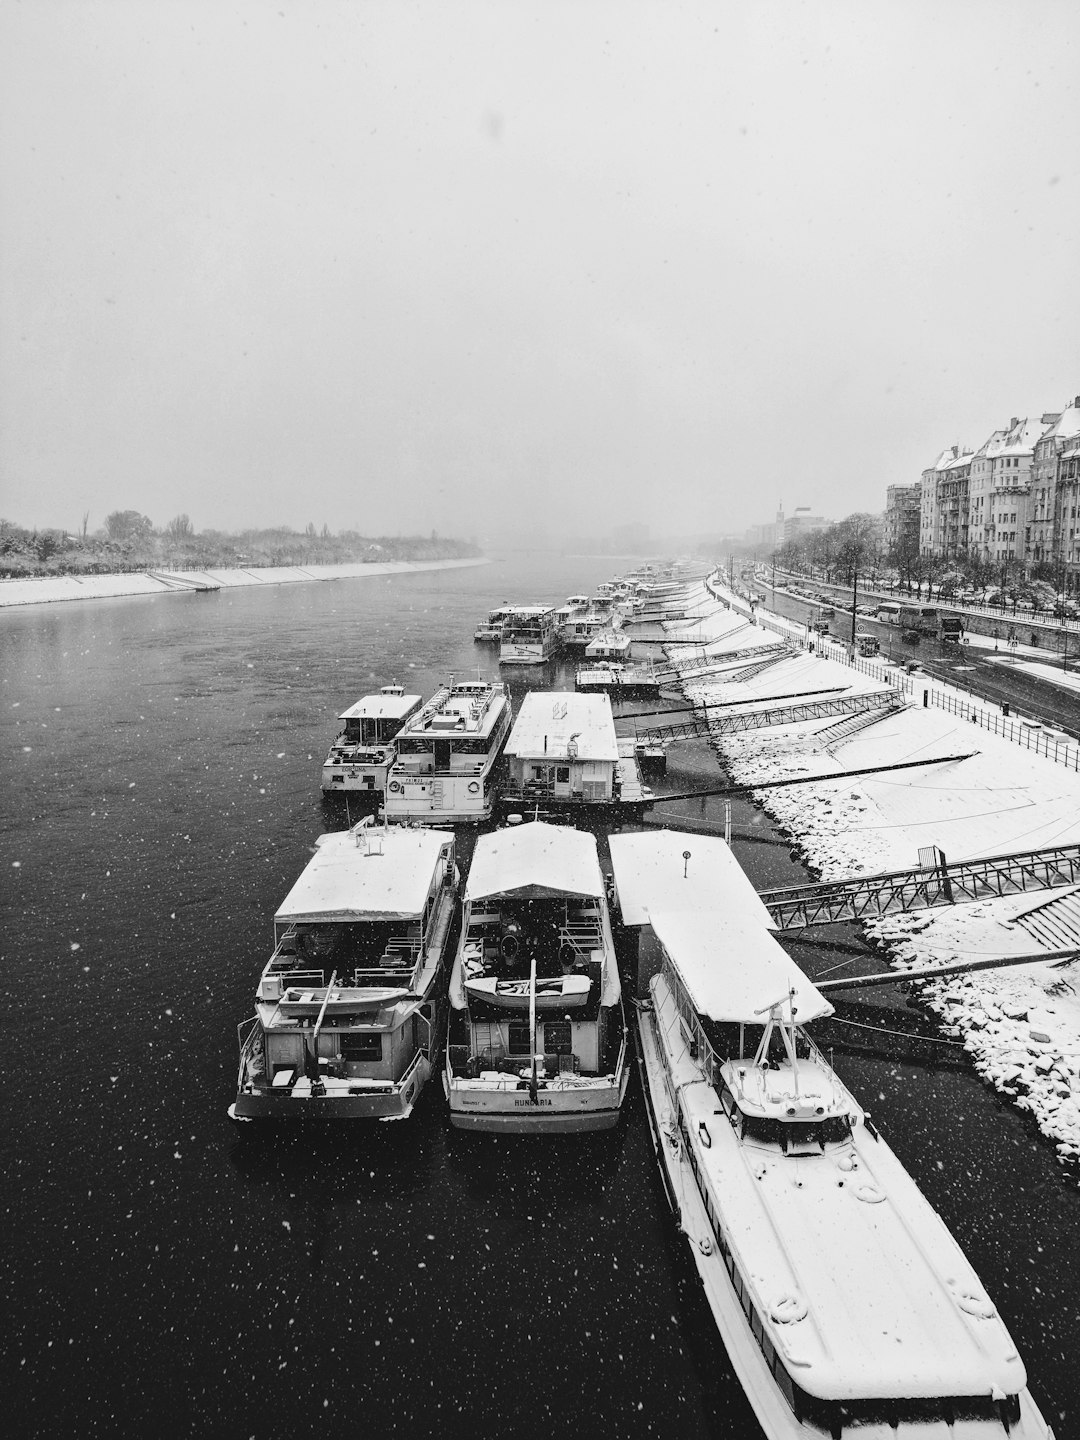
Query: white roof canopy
(549,719)
(365,875)
(733,968)
(651,872)
(381,707)
(534,862)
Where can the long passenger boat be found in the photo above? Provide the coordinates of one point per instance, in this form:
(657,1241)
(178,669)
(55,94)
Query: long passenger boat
(846,1307)
(445,770)
(350,1006)
(537,1040)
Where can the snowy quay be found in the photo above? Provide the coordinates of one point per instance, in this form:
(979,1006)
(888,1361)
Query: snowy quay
(47,589)
(984,787)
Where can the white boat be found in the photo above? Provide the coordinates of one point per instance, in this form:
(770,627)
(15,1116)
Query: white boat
(845,1305)
(530,635)
(530,1047)
(361,755)
(556,992)
(491,629)
(444,772)
(349,1009)
(618,679)
(608,645)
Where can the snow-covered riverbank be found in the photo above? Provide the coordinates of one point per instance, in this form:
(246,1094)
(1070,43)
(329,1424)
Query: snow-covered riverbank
(1021,1025)
(49,588)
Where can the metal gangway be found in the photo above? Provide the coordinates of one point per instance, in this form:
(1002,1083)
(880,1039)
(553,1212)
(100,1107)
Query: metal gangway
(697,668)
(711,723)
(936,882)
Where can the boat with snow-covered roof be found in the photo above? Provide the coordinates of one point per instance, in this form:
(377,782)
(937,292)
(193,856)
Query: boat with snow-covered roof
(536,1040)
(360,757)
(845,1305)
(350,1006)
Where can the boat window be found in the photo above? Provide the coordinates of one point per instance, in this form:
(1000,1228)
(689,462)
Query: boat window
(761,1128)
(519,1038)
(361,1047)
(836,1417)
(557,1036)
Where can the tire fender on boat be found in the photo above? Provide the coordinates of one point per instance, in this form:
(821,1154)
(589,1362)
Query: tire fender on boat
(788,1309)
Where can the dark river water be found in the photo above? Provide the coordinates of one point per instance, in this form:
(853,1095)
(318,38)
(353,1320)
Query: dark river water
(166,1273)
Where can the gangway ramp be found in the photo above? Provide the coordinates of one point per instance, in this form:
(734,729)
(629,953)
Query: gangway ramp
(854,724)
(695,668)
(865,897)
(711,723)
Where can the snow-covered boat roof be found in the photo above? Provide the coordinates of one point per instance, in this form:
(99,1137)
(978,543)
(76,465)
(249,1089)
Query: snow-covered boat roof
(463,707)
(652,873)
(381,707)
(549,719)
(733,968)
(535,861)
(366,875)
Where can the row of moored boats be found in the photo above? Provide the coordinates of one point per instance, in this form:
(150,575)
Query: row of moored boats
(844,1303)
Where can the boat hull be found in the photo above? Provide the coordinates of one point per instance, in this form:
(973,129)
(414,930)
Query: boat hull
(339,1102)
(475,1105)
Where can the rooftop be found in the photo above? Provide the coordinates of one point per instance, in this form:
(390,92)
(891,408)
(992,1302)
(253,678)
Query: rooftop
(552,722)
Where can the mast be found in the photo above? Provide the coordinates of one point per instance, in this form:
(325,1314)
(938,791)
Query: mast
(532,1025)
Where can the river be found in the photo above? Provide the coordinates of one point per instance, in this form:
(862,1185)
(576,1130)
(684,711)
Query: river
(170,1274)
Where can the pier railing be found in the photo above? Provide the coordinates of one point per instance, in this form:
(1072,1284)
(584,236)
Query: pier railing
(1062,750)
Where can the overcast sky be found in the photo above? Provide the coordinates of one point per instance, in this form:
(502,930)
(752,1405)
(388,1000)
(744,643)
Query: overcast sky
(402,266)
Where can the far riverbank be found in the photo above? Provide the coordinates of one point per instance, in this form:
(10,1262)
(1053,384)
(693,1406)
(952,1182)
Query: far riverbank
(47,589)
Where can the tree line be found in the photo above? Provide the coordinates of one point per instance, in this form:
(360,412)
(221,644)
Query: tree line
(857,544)
(130,541)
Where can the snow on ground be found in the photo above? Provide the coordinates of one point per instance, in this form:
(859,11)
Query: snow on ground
(1021,1025)
(48,588)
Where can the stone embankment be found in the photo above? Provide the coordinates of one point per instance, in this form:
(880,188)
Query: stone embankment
(47,589)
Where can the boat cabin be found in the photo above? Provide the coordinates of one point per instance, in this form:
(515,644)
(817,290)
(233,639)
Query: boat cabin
(608,645)
(563,746)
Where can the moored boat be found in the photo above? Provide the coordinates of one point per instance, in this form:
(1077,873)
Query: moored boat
(530,635)
(360,757)
(637,680)
(349,1008)
(491,629)
(445,769)
(537,1040)
(845,1305)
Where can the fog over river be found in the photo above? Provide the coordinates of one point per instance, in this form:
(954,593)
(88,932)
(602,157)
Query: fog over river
(172,1274)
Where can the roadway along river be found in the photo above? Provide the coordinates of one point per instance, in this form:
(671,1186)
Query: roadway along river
(984,672)
(171,1275)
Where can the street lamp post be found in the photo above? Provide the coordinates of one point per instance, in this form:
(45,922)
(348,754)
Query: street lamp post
(854,599)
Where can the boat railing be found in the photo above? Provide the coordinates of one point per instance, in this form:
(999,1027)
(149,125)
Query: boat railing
(304,979)
(401,959)
(583,935)
(418,767)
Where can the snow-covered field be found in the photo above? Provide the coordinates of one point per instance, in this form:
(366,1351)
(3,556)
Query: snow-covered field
(1022,1024)
(47,589)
